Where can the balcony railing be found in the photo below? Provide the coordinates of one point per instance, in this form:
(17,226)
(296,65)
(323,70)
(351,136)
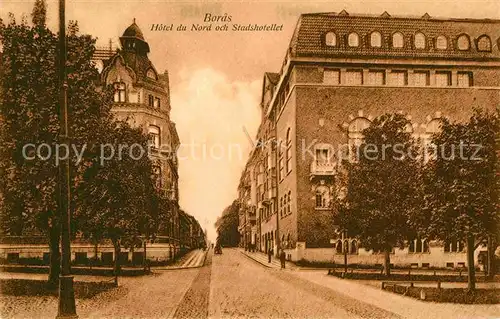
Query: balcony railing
(323,168)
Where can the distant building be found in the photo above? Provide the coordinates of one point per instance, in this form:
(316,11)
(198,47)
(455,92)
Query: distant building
(339,72)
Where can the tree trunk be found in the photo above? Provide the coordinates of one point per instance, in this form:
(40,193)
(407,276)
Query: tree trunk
(491,267)
(117,266)
(387,262)
(345,258)
(145,260)
(471,271)
(55,256)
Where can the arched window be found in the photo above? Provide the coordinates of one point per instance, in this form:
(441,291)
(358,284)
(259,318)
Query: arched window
(338,247)
(397,40)
(322,197)
(463,42)
(154,136)
(484,43)
(119,92)
(353,39)
(331,39)
(288,162)
(356,128)
(376,40)
(419,41)
(441,42)
(354,247)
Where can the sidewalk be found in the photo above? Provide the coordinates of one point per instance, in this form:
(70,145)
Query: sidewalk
(193,259)
(262,259)
(404,306)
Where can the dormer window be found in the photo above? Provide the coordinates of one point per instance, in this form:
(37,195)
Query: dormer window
(419,41)
(484,43)
(331,39)
(463,42)
(376,40)
(151,74)
(353,40)
(397,40)
(441,43)
(119,92)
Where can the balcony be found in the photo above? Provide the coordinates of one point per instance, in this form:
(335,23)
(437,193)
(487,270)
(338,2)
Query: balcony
(323,168)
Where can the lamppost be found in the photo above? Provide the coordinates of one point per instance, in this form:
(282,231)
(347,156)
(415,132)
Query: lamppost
(67,308)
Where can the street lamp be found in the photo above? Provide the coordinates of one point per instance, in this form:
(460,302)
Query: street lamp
(67,308)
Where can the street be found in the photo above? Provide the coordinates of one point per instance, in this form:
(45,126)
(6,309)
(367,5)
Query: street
(228,286)
(233,285)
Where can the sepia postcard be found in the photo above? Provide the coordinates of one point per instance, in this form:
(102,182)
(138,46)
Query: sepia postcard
(250,159)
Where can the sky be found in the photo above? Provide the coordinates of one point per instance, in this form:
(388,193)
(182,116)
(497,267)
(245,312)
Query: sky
(216,76)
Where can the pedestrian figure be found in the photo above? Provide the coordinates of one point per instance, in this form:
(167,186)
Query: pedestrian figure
(269,254)
(282,258)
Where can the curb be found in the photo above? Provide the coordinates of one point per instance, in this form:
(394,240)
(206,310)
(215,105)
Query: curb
(257,261)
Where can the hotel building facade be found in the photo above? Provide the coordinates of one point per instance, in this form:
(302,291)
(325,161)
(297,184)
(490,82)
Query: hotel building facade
(340,71)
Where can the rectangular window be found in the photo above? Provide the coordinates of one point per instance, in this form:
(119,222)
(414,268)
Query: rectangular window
(398,78)
(157,102)
(376,78)
(443,78)
(421,78)
(464,79)
(154,136)
(151,100)
(331,77)
(354,77)
(322,156)
(119,92)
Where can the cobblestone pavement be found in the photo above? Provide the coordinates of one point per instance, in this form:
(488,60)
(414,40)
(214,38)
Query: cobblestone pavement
(153,296)
(195,302)
(243,289)
(232,285)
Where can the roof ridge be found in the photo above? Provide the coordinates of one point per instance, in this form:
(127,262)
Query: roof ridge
(385,14)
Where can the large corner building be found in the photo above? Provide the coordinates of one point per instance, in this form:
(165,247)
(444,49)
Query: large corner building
(339,72)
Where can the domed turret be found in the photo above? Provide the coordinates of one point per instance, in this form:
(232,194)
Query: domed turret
(133,40)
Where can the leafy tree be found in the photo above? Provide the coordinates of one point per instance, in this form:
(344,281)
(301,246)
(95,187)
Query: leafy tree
(227,225)
(381,187)
(462,184)
(29,112)
(117,198)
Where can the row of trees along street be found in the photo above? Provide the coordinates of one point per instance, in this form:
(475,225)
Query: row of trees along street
(117,201)
(389,200)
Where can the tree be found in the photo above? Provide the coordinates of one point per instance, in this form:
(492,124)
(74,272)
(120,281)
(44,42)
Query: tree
(382,187)
(227,225)
(117,198)
(29,112)
(462,183)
